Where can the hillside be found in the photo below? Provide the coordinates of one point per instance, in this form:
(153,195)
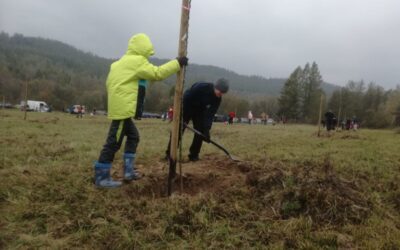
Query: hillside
(246,86)
(56,66)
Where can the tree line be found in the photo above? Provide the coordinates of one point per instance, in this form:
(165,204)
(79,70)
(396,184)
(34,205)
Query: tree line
(371,104)
(62,76)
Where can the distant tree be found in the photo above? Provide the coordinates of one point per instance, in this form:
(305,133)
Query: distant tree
(335,102)
(392,107)
(311,86)
(234,103)
(269,105)
(290,99)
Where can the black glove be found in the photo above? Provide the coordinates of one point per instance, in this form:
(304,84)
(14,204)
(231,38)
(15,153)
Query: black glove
(207,137)
(183,61)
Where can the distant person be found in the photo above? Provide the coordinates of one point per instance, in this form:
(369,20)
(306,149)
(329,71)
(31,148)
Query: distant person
(79,112)
(250,116)
(231,116)
(334,123)
(122,89)
(76,110)
(348,124)
(200,104)
(283,119)
(343,124)
(355,123)
(264,118)
(170,114)
(329,120)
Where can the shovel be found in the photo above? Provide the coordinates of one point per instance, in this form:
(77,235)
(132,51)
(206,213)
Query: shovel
(212,142)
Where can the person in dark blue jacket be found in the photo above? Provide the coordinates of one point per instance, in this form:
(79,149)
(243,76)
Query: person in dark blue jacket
(200,104)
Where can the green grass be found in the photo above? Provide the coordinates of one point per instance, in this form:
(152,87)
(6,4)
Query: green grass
(47,199)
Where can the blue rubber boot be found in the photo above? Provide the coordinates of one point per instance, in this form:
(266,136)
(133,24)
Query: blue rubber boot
(103,177)
(130,172)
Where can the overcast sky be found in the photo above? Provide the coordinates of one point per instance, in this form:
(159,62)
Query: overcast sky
(349,39)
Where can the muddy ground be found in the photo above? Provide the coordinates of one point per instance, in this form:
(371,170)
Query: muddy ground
(309,190)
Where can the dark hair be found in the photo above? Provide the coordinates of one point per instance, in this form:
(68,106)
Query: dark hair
(222,85)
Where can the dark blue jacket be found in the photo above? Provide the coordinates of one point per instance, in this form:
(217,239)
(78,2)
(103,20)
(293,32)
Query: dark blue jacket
(200,102)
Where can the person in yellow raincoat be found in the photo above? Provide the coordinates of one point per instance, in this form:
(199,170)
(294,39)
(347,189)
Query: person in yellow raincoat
(122,90)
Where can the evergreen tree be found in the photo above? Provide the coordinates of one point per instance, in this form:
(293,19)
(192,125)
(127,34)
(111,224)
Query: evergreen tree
(314,94)
(290,98)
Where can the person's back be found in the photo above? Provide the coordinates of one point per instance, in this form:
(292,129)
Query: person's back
(200,104)
(200,98)
(329,120)
(250,116)
(122,89)
(231,116)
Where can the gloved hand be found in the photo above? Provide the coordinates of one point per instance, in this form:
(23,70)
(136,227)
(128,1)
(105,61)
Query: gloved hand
(207,137)
(183,61)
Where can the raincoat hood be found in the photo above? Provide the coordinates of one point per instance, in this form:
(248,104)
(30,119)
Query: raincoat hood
(140,44)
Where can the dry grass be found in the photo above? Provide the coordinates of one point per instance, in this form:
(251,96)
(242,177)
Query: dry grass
(293,190)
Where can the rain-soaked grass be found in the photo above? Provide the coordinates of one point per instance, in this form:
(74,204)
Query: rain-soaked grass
(292,190)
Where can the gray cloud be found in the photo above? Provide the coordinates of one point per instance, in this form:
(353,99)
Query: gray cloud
(349,39)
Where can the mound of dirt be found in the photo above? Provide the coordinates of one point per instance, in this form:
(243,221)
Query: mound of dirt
(212,175)
(314,191)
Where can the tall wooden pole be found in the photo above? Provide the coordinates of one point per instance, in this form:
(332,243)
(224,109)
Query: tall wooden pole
(320,115)
(182,51)
(340,110)
(26,99)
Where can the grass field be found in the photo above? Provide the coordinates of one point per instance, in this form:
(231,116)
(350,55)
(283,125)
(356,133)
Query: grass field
(292,190)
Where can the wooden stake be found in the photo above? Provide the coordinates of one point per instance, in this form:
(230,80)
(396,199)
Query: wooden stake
(26,99)
(320,115)
(340,110)
(182,51)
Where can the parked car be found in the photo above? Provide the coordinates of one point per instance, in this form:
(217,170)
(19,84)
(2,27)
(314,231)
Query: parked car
(38,106)
(151,115)
(244,120)
(73,109)
(6,105)
(220,118)
(271,121)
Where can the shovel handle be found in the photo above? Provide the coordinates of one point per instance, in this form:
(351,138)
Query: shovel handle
(209,141)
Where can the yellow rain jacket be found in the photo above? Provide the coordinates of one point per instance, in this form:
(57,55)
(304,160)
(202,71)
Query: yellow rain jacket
(123,79)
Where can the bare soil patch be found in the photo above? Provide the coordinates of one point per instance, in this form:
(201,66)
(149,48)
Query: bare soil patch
(212,175)
(314,191)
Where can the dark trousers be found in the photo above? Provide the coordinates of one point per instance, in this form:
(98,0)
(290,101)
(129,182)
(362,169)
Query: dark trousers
(197,139)
(119,129)
(197,142)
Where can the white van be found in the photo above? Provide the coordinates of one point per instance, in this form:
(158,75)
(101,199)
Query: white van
(38,106)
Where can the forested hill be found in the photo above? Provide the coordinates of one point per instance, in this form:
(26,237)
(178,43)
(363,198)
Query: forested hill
(242,85)
(62,74)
